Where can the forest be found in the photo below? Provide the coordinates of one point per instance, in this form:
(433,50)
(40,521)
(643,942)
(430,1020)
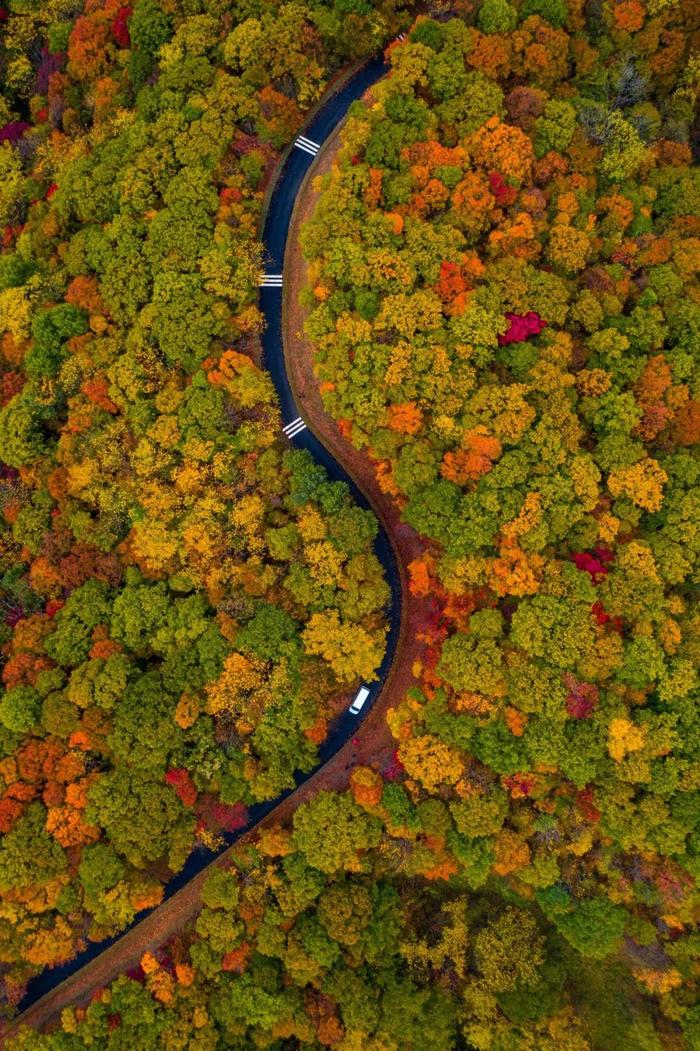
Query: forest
(504,308)
(186,601)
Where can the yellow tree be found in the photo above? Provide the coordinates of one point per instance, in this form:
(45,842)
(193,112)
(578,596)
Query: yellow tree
(352,652)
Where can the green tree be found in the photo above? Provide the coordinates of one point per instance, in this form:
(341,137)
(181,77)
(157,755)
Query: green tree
(143,819)
(332,831)
(497,16)
(29,856)
(149,26)
(20,709)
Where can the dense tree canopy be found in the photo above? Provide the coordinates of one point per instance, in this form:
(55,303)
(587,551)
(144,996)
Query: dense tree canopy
(503,302)
(382,953)
(504,309)
(186,602)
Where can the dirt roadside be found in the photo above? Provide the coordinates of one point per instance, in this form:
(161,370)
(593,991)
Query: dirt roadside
(375,741)
(373,744)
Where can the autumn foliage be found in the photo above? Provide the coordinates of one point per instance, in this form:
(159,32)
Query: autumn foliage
(529,342)
(504,310)
(163,549)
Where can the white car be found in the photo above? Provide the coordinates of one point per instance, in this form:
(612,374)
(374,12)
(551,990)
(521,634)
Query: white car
(362,695)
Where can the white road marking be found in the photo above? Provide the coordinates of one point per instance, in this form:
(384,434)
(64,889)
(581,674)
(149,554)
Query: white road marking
(271,281)
(295,427)
(308,145)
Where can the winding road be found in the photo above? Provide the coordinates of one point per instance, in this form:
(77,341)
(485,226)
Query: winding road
(276,227)
(275,236)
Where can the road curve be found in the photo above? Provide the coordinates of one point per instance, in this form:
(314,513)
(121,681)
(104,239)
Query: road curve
(276,225)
